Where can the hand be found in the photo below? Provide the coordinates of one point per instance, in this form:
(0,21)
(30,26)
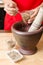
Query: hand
(34,14)
(25,16)
(30,15)
(11,8)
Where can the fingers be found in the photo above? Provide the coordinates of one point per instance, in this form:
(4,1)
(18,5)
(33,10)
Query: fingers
(12,4)
(31,20)
(34,14)
(10,8)
(11,12)
(25,16)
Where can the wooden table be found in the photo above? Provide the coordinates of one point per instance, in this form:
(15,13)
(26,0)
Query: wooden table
(36,59)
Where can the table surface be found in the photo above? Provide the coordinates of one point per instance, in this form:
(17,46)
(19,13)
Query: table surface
(36,59)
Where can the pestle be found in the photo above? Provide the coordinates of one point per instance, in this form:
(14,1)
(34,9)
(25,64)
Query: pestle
(37,22)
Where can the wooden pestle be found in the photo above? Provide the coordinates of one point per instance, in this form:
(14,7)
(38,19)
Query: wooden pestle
(37,22)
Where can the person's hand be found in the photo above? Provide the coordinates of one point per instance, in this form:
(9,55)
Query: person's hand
(30,15)
(11,8)
(33,13)
(25,16)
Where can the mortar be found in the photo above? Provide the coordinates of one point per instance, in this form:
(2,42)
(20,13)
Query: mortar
(26,40)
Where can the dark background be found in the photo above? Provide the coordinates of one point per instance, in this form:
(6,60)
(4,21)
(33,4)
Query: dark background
(2,16)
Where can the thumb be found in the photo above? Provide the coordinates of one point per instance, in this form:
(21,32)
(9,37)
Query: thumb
(34,14)
(31,20)
(12,4)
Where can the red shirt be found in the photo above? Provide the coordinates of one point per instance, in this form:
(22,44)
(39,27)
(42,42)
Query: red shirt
(22,5)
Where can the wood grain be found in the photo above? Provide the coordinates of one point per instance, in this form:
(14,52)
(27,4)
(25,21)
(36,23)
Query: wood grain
(36,59)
